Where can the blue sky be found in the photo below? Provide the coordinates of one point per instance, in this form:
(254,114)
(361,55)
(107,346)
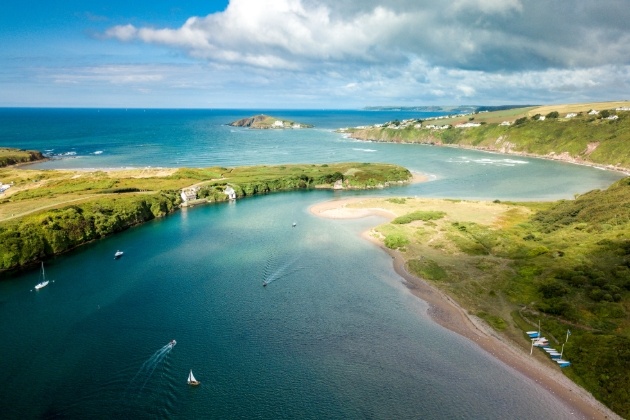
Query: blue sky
(312,53)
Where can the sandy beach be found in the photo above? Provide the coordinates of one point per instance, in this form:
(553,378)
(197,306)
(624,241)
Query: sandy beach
(446,312)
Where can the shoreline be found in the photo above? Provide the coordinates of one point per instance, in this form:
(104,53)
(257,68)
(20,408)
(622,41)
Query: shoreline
(555,157)
(446,312)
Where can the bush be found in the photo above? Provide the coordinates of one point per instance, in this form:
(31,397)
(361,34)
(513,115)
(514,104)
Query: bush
(396,241)
(418,215)
(552,114)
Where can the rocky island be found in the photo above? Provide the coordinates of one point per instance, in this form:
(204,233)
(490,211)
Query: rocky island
(263,122)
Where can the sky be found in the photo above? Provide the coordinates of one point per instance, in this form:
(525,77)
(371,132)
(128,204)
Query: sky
(312,54)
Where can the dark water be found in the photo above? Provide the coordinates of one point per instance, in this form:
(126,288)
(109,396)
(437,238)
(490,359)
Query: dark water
(335,334)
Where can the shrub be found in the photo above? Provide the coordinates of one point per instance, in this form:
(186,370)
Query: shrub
(552,114)
(418,215)
(396,241)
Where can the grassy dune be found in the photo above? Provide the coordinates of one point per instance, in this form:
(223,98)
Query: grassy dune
(512,264)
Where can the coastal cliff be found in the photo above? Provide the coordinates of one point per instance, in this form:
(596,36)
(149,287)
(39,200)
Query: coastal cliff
(263,122)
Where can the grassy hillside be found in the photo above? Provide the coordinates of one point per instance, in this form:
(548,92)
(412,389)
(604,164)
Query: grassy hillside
(49,212)
(585,138)
(566,264)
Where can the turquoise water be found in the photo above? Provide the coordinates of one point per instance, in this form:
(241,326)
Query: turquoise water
(335,334)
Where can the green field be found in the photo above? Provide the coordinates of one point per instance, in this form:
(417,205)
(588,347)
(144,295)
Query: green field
(49,212)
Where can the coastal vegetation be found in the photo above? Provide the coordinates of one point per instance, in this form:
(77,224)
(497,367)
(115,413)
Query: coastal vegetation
(10,156)
(267,122)
(565,264)
(590,133)
(47,212)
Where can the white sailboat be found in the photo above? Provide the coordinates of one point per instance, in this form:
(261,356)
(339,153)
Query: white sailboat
(44,282)
(192,380)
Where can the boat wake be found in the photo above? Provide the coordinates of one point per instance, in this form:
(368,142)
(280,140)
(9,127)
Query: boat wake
(287,269)
(139,381)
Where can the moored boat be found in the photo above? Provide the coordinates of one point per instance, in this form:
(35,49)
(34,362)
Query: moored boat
(44,282)
(118,254)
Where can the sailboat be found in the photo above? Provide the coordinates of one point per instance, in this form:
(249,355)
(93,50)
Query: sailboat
(44,282)
(192,380)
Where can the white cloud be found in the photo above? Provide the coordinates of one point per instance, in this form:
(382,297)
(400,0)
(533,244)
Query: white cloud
(474,34)
(349,53)
(122,32)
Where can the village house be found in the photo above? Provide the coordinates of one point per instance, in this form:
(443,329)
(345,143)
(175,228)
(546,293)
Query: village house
(188,194)
(468,125)
(229,191)
(571,115)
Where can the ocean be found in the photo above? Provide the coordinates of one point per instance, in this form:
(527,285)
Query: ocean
(335,334)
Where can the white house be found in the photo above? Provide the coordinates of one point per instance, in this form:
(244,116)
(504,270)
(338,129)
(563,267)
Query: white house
(613,117)
(189,194)
(593,112)
(506,123)
(278,123)
(229,191)
(571,115)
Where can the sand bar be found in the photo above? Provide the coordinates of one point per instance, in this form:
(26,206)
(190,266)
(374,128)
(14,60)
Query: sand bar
(446,312)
